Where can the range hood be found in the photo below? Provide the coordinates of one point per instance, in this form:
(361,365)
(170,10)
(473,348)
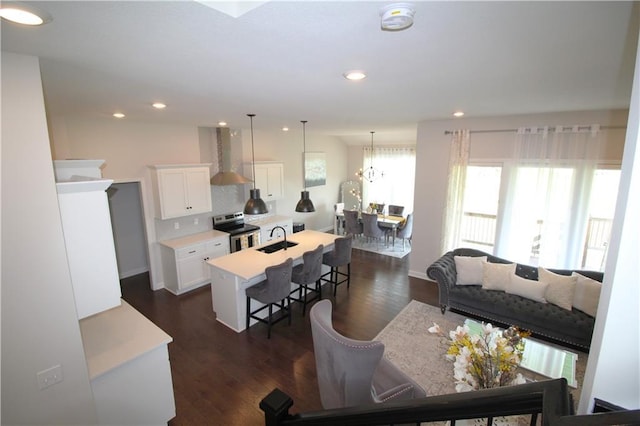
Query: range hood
(225,175)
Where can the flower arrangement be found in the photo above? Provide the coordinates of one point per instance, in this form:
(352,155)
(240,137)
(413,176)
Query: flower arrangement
(484,360)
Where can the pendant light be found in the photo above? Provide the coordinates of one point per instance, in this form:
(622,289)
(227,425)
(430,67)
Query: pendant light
(254,205)
(370,174)
(305,205)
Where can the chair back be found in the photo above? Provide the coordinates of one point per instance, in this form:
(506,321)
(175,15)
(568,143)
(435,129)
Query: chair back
(312,265)
(342,250)
(395,210)
(370,225)
(339,208)
(352,225)
(407,228)
(278,282)
(345,367)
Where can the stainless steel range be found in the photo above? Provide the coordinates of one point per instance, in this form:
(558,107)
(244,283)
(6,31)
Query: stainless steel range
(241,235)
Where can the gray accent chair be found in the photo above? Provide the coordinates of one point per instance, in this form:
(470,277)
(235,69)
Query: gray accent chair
(352,224)
(371,227)
(406,229)
(306,274)
(339,256)
(354,372)
(272,291)
(396,210)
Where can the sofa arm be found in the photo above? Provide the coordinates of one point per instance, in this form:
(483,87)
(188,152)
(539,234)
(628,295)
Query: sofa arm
(443,271)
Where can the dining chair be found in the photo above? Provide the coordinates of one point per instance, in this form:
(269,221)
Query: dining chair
(272,291)
(371,228)
(406,229)
(340,256)
(395,210)
(354,372)
(352,224)
(307,275)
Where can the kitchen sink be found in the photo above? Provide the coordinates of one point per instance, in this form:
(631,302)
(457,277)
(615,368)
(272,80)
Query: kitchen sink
(272,248)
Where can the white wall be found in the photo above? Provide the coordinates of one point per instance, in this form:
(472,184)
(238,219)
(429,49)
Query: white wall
(613,370)
(129,147)
(432,159)
(39,321)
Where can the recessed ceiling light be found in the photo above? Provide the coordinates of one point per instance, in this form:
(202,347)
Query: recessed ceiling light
(354,75)
(118,115)
(24,14)
(222,123)
(285,129)
(458,114)
(159,105)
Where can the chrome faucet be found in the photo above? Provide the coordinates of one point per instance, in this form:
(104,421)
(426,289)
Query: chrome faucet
(285,234)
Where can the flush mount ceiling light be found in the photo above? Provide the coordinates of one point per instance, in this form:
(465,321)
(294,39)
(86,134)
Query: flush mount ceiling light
(255,204)
(24,14)
(396,16)
(354,75)
(305,205)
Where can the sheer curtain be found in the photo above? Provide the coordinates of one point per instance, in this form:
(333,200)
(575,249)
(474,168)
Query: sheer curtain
(458,162)
(397,185)
(546,205)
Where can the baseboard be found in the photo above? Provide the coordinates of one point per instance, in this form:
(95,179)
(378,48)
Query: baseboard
(421,275)
(133,272)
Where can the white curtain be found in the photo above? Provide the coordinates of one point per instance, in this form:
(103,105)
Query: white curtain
(546,206)
(458,162)
(396,186)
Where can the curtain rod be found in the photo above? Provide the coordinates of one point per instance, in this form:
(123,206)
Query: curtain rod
(551,129)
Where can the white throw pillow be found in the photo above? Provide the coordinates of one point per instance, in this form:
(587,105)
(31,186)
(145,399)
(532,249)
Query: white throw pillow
(530,289)
(469,269)
(496,276)
(587,294)
(560,288)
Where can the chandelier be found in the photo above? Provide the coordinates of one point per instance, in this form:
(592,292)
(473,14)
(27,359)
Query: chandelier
(370,173)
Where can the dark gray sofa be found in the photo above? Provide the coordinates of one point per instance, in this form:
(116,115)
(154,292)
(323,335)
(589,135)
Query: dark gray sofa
(543,319)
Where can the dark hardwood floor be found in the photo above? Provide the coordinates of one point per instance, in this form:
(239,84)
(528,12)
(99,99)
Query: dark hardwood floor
(220,376)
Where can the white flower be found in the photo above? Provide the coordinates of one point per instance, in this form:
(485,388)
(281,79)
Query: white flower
(435,329)
(487,328)
(463,387)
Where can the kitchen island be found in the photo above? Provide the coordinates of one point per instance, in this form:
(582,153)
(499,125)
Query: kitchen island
(233,273)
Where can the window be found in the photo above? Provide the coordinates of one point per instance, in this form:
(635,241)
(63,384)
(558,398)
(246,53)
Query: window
(480,207)
(396,187)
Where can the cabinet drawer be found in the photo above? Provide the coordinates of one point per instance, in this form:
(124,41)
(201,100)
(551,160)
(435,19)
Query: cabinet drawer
(195,250)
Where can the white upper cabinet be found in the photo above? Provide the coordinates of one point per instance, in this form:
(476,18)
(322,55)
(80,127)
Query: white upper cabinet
(181,190)
(269,179)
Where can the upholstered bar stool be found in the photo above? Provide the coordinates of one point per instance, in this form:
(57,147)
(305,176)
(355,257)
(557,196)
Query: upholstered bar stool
(339,256)
(308,274)
(272,291)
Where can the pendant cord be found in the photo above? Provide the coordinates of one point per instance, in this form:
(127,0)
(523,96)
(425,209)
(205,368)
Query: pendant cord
(304,153)
(253,155)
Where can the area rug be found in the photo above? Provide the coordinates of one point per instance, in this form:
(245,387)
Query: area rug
(396,250)
(420,354)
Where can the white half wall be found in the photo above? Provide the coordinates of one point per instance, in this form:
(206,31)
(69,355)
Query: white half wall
(39,321)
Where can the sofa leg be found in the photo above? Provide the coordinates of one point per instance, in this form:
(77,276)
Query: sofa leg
(443,309)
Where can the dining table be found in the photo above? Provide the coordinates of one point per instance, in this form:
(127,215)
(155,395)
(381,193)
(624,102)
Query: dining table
(384,220)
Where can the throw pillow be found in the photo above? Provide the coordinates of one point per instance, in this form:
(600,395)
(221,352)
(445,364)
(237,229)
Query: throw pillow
(560,288)
(530,289)
(587,294)
(469,269)
(496,276)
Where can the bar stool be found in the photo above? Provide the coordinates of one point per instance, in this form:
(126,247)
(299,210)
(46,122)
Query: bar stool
(307,274)
(340,256)
(272,291)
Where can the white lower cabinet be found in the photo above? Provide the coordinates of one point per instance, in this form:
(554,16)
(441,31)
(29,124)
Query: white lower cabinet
(184,260)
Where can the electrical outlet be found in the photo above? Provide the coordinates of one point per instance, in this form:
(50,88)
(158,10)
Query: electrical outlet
(49,377)
(176,225)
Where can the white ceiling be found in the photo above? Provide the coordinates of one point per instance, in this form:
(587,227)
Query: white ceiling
(284,62)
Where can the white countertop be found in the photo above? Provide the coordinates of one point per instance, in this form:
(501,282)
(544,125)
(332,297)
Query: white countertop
(117,336)
(189,240)
(250,263)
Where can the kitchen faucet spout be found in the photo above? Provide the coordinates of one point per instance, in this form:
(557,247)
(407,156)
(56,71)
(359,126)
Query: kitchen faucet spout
(285,234)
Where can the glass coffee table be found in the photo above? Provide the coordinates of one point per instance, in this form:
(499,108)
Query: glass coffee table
(541,357)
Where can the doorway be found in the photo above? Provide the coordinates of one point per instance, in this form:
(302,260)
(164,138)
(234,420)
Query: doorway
(127,221)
